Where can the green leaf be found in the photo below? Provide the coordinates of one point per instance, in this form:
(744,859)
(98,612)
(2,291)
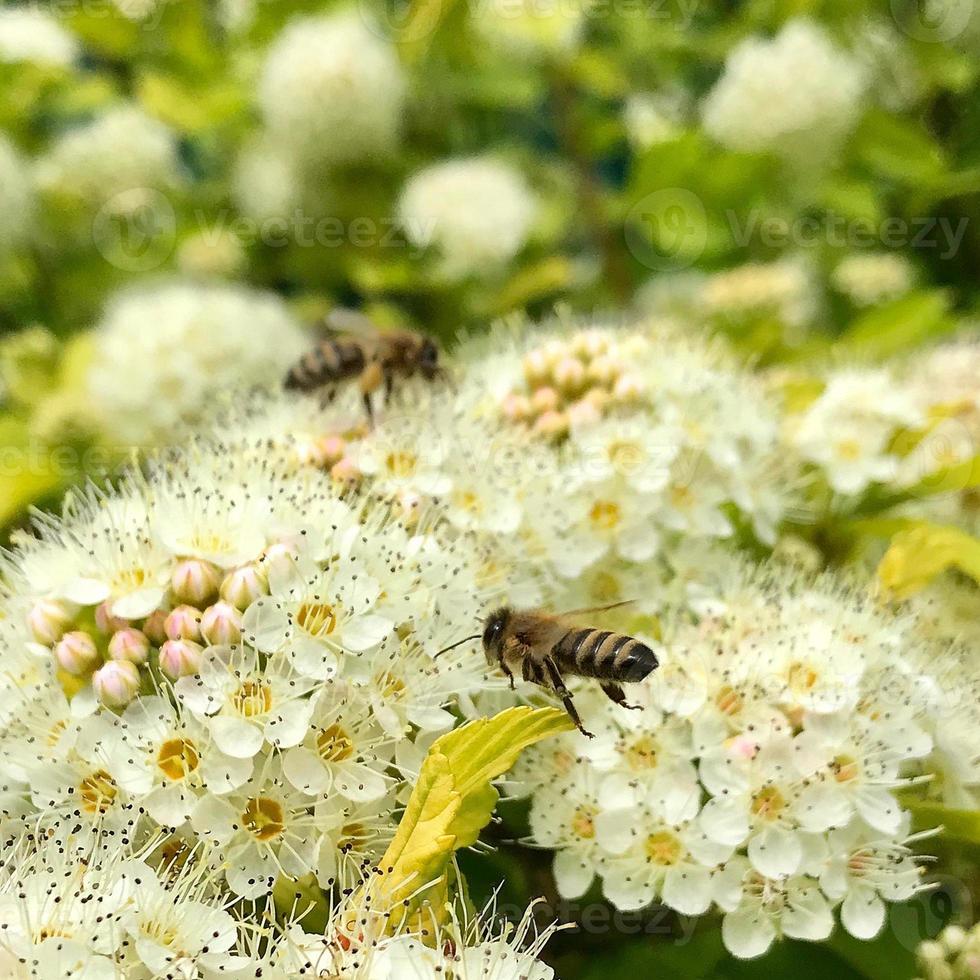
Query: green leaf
(452,802)
(921,552)
(900,149)
(960,825)
(890,329)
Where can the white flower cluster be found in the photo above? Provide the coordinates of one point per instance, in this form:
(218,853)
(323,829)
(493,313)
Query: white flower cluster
(80,903)
(16,198)
(32,34)
(953,955)
(657,434)
(331,90)
(111,160)
(783,289)
(161,352)
(529,28)
(760,775)
(475,212)
(899,424)
(793,95)
(869,279)
(848,430)
(249,659)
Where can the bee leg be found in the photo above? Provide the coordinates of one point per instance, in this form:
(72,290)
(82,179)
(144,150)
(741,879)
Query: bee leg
(616,694)
(505,669)
(566,698)
(371,378)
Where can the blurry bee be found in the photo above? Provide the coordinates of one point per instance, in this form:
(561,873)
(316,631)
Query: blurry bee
(544,646)
(360,349)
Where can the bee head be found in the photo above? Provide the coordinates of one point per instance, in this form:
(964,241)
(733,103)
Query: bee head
(428,359)
(493,632)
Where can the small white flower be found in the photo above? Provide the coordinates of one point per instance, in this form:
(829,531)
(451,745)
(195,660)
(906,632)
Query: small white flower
(31,34)
(263,829)
(476,212)
(245,705)
(764,909)
(795,92)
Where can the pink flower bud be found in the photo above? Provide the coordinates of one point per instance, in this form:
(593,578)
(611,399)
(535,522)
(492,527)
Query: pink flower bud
(153,627)
(195,581)
(545,400)
(105,621)
(332,449)
(221,624)
(570,375)
(516,407)
(183,623)
(583,413)
(76,653)
(48,620)
(180,658)
(129,644)
(627,388)
(552,424)
(537,367)
(345,471)
(242,586)
(116,683)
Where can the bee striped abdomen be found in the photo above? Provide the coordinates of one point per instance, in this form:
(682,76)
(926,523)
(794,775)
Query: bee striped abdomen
(604,655)
(332,360)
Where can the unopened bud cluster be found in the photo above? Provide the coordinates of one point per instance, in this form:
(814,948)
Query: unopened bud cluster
(572,381)
(953,955)
(202,607)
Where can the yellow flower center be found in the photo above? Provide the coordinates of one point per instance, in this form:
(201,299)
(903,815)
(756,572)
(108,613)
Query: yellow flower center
(401,463)
(605,515)
(177,758)
(252,698)
(849,449)
(728,701)
(469,501)
(263,818)
(844,768)
(316,618)
(642,754)
(663,848)
(682,497)
(97,792)
(352,837)
(803,677)
(768,803)
(390,685)
(333,744)
(583,822)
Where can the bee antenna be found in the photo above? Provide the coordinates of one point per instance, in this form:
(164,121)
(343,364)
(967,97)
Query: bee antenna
(459,643)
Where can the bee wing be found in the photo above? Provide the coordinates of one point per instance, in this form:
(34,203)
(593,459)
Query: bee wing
(342,320)
(598,609)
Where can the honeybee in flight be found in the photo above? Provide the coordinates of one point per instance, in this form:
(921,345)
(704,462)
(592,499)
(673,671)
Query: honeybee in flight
(544,646)
(359,349)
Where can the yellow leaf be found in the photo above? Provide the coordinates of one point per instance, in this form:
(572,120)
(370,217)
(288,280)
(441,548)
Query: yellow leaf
(920,553)
(452,802)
